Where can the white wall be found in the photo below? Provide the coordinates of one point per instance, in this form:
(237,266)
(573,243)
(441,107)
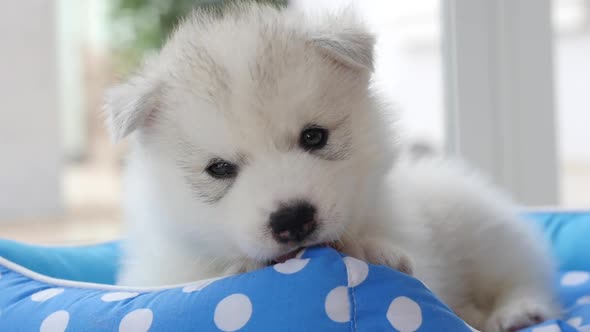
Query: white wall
(30,154)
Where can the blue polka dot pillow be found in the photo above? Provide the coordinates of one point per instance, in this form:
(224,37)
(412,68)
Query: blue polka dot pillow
(321,290)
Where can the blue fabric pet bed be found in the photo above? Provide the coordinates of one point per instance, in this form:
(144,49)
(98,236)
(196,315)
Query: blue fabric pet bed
(321,290)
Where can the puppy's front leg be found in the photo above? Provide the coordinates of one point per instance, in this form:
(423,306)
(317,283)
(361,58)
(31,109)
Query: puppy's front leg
(380,251)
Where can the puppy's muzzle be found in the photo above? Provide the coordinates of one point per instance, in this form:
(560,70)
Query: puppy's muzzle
(293,222)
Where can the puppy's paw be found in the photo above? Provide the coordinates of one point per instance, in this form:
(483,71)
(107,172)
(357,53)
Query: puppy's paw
(380,252)
(519,314)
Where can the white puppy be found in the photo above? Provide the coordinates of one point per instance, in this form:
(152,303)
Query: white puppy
(256,133)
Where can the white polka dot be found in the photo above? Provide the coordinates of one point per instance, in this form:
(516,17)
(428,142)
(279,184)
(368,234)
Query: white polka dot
(139,320)
(301,253)
(575,278)
(291,266)
(56,322)
(47,294)
(337,305)
(583,300)
(118,296)
(576,321)
(404,314)
(233,312)
(547,328)
(357,271)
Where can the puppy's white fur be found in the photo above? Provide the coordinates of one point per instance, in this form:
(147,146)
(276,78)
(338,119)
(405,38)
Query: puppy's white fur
(241,88)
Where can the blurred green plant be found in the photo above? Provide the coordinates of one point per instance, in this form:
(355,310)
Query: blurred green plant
(140,26)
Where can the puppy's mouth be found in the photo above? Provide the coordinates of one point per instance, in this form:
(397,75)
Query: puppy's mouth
(294,253)
(285,257)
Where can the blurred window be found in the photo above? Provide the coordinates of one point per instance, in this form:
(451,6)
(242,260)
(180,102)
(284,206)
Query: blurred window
(571,26)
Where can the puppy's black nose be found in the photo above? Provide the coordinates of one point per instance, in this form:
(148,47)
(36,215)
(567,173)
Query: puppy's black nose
(293,222)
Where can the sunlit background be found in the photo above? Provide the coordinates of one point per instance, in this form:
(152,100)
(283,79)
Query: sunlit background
(60,174)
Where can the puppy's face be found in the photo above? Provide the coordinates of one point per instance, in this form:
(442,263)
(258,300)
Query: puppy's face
(258,147)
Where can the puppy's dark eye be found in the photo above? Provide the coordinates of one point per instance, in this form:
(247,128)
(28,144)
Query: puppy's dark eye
(313,138)
(222,169)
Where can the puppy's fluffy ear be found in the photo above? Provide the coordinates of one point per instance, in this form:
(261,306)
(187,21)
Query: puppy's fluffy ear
(129,105)
(352,48)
